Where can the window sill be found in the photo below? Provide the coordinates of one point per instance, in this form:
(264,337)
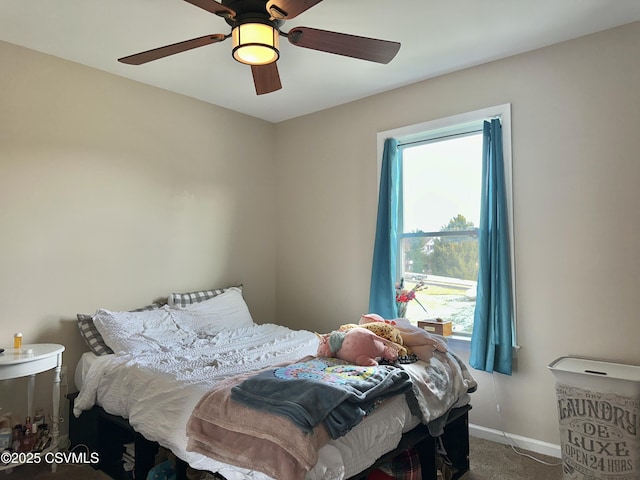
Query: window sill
(462,344)
(459,343)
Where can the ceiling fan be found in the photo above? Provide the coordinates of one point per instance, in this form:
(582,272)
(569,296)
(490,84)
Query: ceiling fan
(255,31)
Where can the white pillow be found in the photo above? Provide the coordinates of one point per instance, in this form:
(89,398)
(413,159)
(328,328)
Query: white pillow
(138,331)
(226,311)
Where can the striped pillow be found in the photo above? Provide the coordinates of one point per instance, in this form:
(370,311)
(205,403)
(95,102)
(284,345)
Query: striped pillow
(184,299)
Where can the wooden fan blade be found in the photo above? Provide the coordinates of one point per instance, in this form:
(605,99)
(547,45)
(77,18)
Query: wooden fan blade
(266,78)
(364,48)
(213,7)
(287,9)
(161,52)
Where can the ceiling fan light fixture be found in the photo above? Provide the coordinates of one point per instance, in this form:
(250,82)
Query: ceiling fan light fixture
(255,43)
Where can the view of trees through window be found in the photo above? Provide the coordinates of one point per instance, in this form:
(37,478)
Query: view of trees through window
(450,256)
(441,186)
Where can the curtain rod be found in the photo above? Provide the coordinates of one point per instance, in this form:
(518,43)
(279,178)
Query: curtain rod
(439,137)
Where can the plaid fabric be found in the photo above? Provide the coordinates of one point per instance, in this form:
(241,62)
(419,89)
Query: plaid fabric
(184,299)
(405,466)
(91,335)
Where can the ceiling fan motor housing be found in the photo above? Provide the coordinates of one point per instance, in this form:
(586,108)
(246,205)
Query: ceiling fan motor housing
(248,8)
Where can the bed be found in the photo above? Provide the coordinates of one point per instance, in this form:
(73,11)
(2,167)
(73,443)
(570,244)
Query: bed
(150,370)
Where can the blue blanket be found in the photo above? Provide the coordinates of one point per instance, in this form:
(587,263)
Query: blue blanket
(322,390)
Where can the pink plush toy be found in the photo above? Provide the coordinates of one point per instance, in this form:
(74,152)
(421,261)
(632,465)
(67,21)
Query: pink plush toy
(358,346)
(417,341)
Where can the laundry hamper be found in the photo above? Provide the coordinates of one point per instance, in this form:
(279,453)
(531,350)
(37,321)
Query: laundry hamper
(599,416)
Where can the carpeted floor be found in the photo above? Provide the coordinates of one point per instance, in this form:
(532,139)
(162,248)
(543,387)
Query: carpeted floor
(489,461)
(494,461)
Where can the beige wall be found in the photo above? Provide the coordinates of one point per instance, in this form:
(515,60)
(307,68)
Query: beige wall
(113,193)
(575,120)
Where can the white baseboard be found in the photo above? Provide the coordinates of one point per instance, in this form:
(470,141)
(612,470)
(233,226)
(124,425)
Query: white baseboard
(524,443)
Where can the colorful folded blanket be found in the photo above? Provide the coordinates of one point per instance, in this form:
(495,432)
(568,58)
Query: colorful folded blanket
(325,391)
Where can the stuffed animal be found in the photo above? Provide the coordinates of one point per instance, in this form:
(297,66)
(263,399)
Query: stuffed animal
(358,346)
(418,341)
(383,330)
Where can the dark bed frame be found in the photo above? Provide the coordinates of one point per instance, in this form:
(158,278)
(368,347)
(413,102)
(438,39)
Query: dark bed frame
(105,434)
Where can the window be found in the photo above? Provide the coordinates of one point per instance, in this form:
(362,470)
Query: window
(439,213)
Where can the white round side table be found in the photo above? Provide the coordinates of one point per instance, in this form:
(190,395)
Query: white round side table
(30,360)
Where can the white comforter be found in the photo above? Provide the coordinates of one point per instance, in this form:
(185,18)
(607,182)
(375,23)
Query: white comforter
(157,391)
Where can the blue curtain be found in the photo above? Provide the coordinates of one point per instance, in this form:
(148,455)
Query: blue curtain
(385,251)
(492,338)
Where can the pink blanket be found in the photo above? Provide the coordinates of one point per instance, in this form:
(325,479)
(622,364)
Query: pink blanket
(239,435)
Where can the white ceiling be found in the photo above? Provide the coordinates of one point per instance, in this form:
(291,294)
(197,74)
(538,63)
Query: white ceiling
(437,36)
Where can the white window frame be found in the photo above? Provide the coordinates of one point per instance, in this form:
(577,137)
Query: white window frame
(451,125)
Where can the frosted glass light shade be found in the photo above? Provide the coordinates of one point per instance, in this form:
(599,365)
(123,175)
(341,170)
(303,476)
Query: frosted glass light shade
(255,44)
